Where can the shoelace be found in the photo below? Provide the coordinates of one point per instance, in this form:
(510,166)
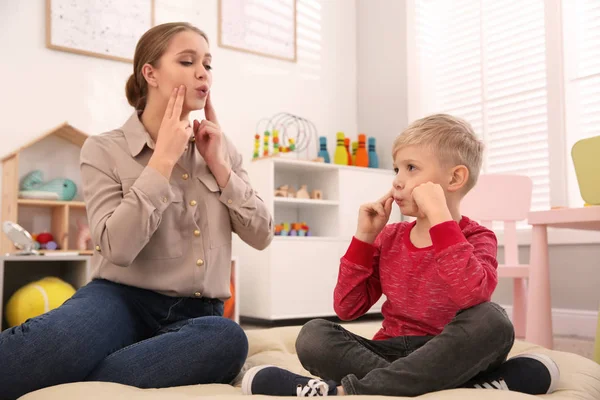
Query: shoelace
(500,385)
(314,387)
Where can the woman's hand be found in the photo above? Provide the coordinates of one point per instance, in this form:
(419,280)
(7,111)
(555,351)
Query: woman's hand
(209,142)
(173,135)
(209,136)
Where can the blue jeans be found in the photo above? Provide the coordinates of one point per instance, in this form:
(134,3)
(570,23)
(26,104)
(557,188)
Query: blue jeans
(115,333)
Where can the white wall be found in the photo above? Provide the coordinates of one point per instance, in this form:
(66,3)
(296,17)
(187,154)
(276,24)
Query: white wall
(382,111)
(381,55)
(42,87)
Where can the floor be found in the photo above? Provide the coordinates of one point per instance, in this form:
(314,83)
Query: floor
(573,344)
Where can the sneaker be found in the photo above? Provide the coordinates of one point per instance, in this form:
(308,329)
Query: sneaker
(526,373)
(274,381)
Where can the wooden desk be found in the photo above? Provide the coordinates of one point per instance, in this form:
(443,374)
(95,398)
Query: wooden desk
(539,308)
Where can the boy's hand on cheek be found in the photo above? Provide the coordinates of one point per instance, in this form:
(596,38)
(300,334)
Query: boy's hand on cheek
(431,201)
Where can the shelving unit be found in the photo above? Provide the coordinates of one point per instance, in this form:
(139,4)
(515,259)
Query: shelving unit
(17,271)
(305,202)
(50,203)
(295,276)
(60,220)
(56,154)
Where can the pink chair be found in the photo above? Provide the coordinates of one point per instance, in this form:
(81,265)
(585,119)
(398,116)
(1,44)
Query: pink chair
(507,199)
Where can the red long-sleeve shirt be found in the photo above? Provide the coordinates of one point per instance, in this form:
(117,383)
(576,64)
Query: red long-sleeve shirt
(424,287)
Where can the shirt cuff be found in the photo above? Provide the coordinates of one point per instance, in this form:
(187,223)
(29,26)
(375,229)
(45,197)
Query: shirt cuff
(360,253)
(234,193)
(155,187)
(446,234)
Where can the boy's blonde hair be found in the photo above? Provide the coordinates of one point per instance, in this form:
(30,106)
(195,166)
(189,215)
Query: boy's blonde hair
(450,138)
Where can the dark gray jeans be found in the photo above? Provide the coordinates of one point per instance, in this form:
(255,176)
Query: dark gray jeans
(477,340)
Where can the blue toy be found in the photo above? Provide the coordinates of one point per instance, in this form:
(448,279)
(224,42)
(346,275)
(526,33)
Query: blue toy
(33,186)
(373,159)
(323,153)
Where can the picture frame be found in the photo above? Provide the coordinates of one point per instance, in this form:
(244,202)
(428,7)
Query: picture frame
(69,27)
(241,27)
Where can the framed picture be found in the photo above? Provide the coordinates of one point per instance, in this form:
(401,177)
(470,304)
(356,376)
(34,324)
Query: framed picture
(99,28)
(265,28)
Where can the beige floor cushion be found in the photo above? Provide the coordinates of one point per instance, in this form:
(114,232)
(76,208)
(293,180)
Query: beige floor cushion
(580,377)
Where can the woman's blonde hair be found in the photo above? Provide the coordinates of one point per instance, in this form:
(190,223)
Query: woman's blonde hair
(450,138)
(149,50)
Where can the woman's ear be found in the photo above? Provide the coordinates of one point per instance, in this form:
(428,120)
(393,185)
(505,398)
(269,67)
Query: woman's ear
(458,178)
(150,75)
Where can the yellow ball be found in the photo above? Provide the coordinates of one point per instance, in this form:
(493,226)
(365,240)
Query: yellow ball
(37,298)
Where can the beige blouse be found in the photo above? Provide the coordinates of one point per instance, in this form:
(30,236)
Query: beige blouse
(171,236)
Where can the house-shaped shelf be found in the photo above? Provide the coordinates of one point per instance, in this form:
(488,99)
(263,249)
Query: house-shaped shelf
(56,155)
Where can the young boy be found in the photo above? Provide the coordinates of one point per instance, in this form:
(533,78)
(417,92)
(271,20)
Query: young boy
(440,330)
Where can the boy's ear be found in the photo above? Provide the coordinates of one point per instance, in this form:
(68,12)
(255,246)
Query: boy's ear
(150,75)
(458,178)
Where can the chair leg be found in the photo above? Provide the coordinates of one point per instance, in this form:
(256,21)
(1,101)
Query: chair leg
(597,343)
(519,316)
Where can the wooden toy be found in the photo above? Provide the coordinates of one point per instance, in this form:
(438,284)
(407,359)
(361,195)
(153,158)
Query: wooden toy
(282,229)
(354,148)
(347,146)
(84,237)
(275,142)
(282,191)
(256,146)
(266,143)
(289,133)
(303,192)
(292,229)
(373,159)
(340,156)
(362,157)
(323,149)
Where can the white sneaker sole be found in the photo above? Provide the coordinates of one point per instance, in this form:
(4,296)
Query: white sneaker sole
(549,364)
(249,377)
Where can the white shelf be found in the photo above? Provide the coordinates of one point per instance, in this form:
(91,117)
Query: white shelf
(283,164)
(274,284)
(307,238)
(305,202)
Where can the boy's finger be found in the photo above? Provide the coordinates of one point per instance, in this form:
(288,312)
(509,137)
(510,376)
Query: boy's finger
(388,207)
(378,208)
(388,195)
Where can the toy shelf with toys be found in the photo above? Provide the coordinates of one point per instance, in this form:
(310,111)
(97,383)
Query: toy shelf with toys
(276,280)
(40,192)
(314,197)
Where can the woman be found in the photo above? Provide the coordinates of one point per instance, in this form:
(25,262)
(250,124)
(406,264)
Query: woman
(163,197)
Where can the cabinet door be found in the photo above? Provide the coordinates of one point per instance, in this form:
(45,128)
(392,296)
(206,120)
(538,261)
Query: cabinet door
(362,186)
(304,272)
